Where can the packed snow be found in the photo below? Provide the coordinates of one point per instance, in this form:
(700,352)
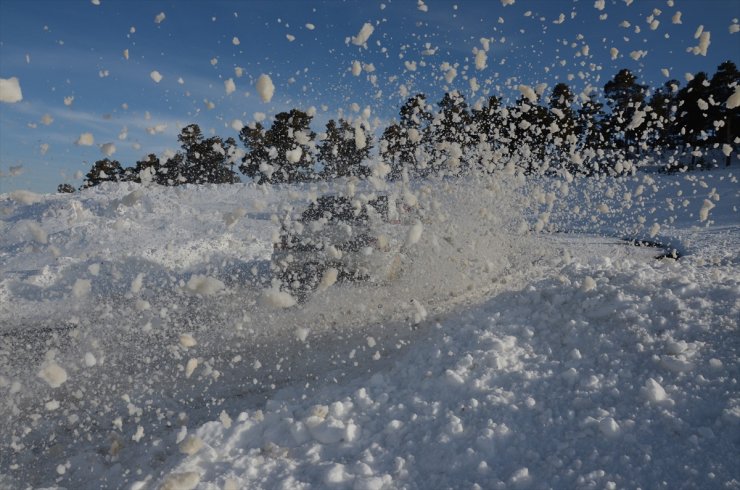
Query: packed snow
(507,357)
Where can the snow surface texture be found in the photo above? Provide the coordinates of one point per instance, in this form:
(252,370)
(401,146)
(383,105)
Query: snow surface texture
(137,350)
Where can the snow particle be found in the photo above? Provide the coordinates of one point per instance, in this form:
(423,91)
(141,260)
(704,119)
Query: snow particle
(361,38)
(10,90)
(156,76)
(265,88)
(159,18)
(54,374)
(85,139)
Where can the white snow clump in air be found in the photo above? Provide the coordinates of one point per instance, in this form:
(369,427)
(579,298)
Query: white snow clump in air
(187,340)
(360,139)
(507,2)
(527,91)
(481,60)
(356,68)
(235,41)
(275,298)
(414,233)
(230,86)
(159,18)
(310,27)
(108,149)
(294,155)
(734,99)
(705,208)
(54,374)
(181,481)
(614,53)
(10,90)
(204,285)
(265,88)
(237,125)
(361,38)
(81,288)
(156,76)
(85,139)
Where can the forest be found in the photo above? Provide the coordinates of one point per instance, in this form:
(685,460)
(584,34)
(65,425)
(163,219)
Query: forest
(602,132)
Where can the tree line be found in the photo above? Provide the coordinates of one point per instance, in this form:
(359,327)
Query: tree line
(588,133)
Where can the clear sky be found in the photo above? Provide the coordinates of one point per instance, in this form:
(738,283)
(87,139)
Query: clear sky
(63,49)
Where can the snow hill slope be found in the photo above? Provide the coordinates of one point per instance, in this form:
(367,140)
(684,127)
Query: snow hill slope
(137,349)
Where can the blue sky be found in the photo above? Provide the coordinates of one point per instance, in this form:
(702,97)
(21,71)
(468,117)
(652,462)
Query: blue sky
(59,49)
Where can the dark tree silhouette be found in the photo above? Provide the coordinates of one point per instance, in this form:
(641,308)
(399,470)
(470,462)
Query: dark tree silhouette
(282,153)
(105,170)
(340,153)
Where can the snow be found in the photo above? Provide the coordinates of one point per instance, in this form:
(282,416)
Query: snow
(265,88)
(156,76)
(85,139)
(10,90)
(365,32)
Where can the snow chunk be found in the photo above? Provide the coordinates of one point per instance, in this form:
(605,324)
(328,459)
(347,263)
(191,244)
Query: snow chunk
(159,18)
(356,68)
(237,125)
(609,427)
(614,52)
(654,392)
(414,234)
(328,279)
(10,90)
(294,155)
(235,41)
(108,149)
(187,340)
(181,481)
(481,59)
(704,42)
(81,288)
(190,367)
(361,38)
(156,76)
(54,374)
(527,92)
(26,197)
(360,139)
(265,88)
(191,445)
(705,208)
(230,86)
(676,19)
(275,298)
(589,284)
(734,99)
(204,285)
(85,139)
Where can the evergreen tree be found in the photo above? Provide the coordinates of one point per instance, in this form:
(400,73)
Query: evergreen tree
(693,112)
(205,158)
(105,170)
(343,152)
(727,121)
(451,132)
(394,150)
(149,170)
(663,106)
(65,189)
(282,153)
(416,119)
(562,117)
(624,96)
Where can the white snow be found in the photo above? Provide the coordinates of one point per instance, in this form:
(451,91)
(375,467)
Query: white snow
(10,90)
(265,88)
(365,32)
(229,86)
(108,149)
(85,139)
(156,76)
(159,18)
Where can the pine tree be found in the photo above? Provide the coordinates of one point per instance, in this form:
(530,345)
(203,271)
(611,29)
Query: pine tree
(105,170)
(727,121)
(624,96)
(342,152)
(282,153)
